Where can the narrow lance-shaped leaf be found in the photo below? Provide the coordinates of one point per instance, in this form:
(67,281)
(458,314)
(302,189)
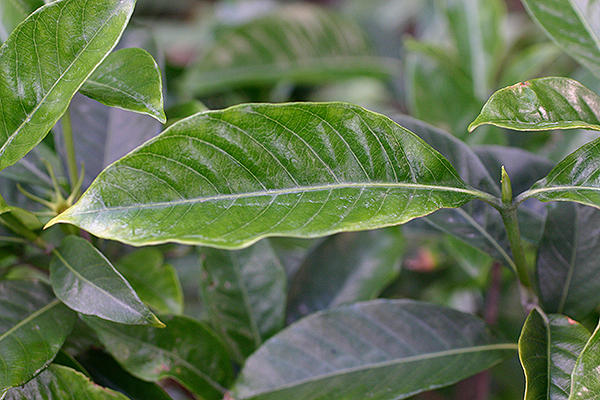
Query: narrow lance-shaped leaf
(244,293)
(381,349)
(228,178)
(573,25)
(185,350)
(568,263)
(129,79)
(585,379)
(296,43)
(548,348)
(58,382)
(542,104)
(33,327)
(44,62)
(88,283)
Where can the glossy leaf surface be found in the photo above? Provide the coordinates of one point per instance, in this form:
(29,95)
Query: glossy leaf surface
(585,380)
(33,327)
(86,281)
(245,295)
(573,25)
(228,178)
(12,12)
(575,178)
(185,350)
(156,283)
(129,79)
(45,61)
(297,43)
(361,350)
(542,104)
(62,383)
(345,268)
(549,347)
(568,263)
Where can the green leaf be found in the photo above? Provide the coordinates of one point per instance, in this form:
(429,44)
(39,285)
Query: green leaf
(347,267)
(440,91)
(33,327)
(573,179)
(185,350)
(585,380)
(12,12)
(573,25)
(475,223)
(245,295)
(62,383)
(156,283)
(530,63)
(87,282)
(542,104)
(477,29)
(104,134)
(568,263)
(107,372)
(229,178)
(381,349)
(297,43)
(548,348)
(45,61)
(129,79)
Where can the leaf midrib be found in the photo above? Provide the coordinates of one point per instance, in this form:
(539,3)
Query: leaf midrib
(29,318)
(276,192)
(30,115)
(383,364)
(108,294)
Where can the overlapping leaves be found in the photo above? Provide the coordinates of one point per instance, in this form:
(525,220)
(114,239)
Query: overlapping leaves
(228,178)
(44,62)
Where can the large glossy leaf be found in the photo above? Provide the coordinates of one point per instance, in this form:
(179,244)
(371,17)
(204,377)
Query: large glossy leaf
(549,347)
(156,283)
(585,379)
(542,104)
(381,349)
(347,267)
(245,295)
(476,28)
(44,62)
(62,383)
(185,350)
(575,178)
(86,281)
(104,134)
(297,43)
(228,178)
(129,79)
(573,25)
(12,12)
(568,263)
(33,327)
